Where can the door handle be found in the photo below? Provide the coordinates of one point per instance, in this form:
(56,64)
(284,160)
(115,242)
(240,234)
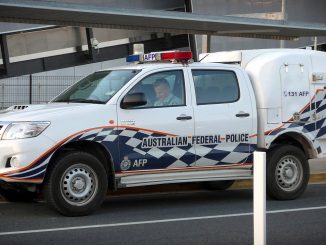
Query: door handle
(242,114)
(184,117)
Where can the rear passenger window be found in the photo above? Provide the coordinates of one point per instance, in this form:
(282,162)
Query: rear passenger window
(215,86)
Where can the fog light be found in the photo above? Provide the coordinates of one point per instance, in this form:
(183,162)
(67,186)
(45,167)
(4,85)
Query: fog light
(14,162)
(8,163)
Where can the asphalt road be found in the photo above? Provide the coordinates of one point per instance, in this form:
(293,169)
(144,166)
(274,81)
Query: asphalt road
(193,217)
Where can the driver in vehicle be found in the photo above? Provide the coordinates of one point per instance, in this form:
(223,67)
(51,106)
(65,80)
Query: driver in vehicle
(164,95)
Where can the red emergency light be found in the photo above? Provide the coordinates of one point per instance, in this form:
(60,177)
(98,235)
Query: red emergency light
(177,56)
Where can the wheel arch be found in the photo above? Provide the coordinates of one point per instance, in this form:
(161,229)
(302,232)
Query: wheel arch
(94,148)
(298,140)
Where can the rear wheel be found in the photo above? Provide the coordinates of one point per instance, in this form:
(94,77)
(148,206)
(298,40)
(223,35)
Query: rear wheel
(77,184)
(287,172)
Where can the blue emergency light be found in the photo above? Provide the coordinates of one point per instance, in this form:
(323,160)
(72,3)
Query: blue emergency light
(133,58)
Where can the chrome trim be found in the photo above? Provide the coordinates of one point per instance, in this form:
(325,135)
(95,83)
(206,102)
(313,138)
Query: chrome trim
(183,177)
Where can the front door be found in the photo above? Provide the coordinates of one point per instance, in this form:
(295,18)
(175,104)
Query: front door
(155,137)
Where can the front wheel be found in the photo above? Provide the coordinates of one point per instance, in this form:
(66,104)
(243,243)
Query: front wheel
(77,184)
(287,172)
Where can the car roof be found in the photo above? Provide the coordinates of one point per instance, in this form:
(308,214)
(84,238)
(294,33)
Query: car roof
(158,65)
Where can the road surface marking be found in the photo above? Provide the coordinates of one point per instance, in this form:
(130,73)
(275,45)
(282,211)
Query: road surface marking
(156,221)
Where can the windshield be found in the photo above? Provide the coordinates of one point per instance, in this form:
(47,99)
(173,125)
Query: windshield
(98,87)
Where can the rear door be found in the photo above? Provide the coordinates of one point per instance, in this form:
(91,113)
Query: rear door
(223,117)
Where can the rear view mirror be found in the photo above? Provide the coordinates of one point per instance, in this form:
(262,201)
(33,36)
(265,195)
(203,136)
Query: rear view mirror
(133,100)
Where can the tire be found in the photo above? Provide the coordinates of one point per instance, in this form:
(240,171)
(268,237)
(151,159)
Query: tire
(219,185)
(76,184)
(287,172)
(11,195)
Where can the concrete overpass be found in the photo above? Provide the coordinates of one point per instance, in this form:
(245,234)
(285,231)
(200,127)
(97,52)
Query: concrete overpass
(89,16)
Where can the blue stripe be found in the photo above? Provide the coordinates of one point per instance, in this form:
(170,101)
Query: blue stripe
(319,109)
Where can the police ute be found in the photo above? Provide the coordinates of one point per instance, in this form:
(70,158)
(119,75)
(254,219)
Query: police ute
(165,119)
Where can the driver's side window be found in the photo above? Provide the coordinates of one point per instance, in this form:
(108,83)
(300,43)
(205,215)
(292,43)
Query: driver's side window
(161,89)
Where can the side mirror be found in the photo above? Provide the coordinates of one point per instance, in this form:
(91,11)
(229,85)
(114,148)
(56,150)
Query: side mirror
(133,100)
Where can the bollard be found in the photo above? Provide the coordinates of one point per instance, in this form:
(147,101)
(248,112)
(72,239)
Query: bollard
(259,198)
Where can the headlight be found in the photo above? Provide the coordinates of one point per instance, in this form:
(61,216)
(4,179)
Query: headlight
(22,130)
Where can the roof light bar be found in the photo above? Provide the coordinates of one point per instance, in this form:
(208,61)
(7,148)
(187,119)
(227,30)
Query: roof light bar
(161,56)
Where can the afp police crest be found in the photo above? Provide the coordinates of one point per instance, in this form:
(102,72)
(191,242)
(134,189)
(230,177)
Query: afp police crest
(125,164)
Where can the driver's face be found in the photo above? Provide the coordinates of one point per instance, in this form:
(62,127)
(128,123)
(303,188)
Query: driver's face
(162,91)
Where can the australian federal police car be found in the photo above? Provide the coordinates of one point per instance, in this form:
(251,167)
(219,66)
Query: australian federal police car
(169,122)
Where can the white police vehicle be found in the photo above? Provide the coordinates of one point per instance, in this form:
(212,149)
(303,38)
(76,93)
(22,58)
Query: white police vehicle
(163,122)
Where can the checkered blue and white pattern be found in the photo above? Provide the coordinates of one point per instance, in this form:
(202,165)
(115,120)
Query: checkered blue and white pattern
(312,121)
(130,141)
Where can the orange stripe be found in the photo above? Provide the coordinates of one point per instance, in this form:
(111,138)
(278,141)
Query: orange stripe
(52,148)
(305,107)
(73,135)
(279,127)
(136,128)
(36,181)
(147,130)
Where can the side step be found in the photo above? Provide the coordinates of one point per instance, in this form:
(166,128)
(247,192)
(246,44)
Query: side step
(183,177)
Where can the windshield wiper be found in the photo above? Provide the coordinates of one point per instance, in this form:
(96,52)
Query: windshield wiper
(82,101)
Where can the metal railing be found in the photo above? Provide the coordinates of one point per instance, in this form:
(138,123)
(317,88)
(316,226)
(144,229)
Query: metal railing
(32,89)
